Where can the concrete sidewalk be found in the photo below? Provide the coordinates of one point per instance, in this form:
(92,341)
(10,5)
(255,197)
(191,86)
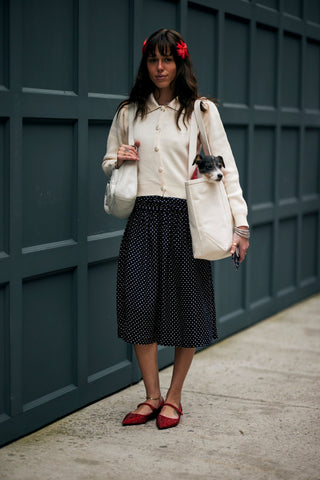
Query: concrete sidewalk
(251,412)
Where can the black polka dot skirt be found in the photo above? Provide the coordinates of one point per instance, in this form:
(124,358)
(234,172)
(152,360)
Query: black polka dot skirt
(164,295)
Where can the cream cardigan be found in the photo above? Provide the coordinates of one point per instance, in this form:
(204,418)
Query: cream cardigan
(164,151)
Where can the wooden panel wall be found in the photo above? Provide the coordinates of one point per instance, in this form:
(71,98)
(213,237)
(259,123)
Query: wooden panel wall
(64,67)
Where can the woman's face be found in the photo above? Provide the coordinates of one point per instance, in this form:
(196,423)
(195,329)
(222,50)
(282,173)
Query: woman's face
(162,70)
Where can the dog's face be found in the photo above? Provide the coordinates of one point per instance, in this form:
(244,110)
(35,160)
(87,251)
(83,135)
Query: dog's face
(210,166)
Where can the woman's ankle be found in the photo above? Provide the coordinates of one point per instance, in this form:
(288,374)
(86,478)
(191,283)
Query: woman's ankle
(154,400)
(155,396)
(174,398)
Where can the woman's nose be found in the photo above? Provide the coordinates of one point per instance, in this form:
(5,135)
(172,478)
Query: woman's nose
(160,66)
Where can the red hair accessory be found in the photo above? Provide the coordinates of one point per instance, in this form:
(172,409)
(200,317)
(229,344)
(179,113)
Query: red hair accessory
(144,46)
(182,49)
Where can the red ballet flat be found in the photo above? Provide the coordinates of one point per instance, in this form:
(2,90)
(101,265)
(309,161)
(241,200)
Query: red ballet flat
(138,419)
(166,422)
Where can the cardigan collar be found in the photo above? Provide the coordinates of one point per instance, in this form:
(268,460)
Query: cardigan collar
(153,105)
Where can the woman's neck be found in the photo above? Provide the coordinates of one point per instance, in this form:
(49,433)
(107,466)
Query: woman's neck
(163,97)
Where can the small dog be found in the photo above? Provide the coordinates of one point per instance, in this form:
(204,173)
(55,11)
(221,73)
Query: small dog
(210,167)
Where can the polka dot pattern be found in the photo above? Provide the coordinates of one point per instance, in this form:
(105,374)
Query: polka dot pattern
(164,295)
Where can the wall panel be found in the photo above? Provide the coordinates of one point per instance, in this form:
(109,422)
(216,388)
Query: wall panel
(309,255)
(4,42)
(293,7)
(236,61)
(49,45)
(49,173)
(261,254)
(49,337)
(4,351)
(288,165)
(312,76)
(202,37)
(286,249)
(264,87)
(104,348)
(228,307)
(264,164)
(291,71)
(159,14)
(107,46)
(312,11)
(238,138)
(310,180)
(4,185)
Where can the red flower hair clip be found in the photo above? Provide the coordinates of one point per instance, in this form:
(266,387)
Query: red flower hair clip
(144,46)
(182,49)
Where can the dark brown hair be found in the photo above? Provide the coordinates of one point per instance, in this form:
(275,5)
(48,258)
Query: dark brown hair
(185,84)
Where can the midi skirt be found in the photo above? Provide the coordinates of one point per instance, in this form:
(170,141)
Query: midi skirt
(164,295)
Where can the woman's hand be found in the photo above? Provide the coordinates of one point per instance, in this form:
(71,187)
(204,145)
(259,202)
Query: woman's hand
(127,152)
(241,243)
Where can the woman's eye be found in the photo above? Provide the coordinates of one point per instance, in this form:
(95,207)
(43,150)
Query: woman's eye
(168,59)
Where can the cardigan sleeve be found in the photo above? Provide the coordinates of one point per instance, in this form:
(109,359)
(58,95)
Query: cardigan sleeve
(219,145)
(118,135)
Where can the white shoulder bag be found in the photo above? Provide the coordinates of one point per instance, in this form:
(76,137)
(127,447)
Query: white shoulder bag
(210,217)
(121,189)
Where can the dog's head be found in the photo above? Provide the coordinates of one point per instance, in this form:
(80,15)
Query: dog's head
(210,166)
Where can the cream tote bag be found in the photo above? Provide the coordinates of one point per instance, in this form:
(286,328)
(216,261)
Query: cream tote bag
(121,189)
(210,217)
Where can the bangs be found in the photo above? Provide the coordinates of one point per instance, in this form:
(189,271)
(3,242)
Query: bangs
(165,46)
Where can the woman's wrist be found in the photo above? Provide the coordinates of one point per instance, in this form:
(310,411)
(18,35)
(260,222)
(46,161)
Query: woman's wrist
(242,231)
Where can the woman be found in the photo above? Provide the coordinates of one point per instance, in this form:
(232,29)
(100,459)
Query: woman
(164,295)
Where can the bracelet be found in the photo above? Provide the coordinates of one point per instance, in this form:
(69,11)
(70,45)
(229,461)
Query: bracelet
(242,232)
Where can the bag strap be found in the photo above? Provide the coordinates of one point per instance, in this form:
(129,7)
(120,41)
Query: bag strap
(203,133)
(193,141)
(196,126)
(131,115)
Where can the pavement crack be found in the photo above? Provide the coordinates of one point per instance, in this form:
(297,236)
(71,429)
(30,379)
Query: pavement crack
(253,400)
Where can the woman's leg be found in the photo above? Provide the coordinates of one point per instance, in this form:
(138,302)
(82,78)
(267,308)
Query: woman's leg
(182,361)
(147,356)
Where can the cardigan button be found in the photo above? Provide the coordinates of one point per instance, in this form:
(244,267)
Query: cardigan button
(161,170)
(156,149)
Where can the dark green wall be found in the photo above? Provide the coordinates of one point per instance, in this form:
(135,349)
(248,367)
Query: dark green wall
(64,67)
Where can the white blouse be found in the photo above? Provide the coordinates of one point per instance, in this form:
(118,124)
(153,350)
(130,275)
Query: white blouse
(164,152)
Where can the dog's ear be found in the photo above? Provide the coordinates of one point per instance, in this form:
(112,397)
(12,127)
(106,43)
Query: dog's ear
(197,159)
(221,161)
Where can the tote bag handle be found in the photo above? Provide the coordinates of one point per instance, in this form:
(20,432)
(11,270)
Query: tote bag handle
(197,125)
(203,133)
(131,114)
